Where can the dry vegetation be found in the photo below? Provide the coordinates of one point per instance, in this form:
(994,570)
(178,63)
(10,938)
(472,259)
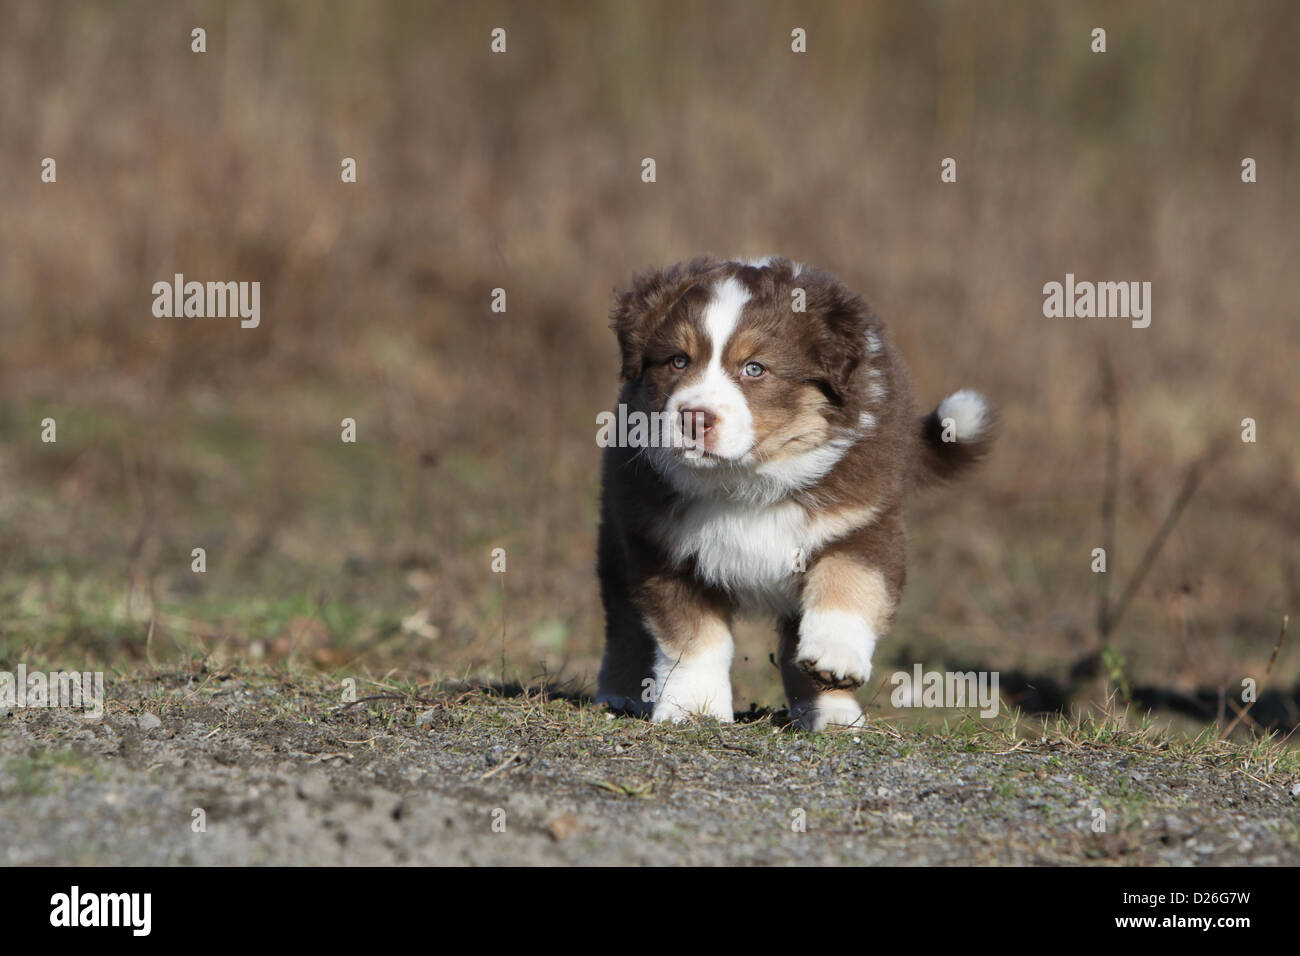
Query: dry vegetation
(522,172)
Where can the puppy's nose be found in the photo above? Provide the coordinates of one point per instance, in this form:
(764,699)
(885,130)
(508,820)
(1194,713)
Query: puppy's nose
(697,420)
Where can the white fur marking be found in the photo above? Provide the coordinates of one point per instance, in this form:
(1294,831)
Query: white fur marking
(749,549)
(799,471)
(968,411)
(765,484)
(876,390)
(837,641)
(698,683)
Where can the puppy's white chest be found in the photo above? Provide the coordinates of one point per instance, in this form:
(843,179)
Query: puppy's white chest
(754,552)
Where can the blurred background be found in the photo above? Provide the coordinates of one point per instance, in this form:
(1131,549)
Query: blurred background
(523,171)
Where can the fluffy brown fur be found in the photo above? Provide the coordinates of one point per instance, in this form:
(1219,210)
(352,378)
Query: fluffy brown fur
(687,540)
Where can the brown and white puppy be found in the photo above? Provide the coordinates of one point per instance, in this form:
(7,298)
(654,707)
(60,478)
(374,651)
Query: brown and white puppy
(773,481)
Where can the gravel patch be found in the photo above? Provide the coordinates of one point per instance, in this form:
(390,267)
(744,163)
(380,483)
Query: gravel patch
(255,769)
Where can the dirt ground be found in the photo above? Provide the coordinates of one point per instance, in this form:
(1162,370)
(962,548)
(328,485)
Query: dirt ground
(283,771)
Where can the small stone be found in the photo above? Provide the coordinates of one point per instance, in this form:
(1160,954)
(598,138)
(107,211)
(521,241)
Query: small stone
(148,722)
(564,826)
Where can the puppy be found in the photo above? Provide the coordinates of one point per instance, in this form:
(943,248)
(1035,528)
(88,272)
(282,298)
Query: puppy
(772,478)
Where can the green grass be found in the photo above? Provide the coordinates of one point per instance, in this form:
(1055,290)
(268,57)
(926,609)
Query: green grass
(30,774)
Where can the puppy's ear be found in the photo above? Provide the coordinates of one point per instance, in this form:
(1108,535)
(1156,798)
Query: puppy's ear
(637,312)
(837,338)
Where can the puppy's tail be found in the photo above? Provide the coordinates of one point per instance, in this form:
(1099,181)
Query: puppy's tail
(955,436)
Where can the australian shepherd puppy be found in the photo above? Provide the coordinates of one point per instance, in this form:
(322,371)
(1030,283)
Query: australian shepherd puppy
(772,479)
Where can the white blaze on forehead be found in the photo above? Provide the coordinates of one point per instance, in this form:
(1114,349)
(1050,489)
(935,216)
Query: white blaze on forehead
(722,315)
(717,391)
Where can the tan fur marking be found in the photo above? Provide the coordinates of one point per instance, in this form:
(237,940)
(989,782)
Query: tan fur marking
(742,347)
(683,620)
(689,634)
(785,434)
(838,583)
(827,526)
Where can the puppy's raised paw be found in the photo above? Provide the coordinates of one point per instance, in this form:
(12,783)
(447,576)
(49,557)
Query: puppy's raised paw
(835,648)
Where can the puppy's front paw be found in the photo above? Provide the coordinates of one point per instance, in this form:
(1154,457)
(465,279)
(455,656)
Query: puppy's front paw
(834,710)
(699,686)
(835,648)
(672,709)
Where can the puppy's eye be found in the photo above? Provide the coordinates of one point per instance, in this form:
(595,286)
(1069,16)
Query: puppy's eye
(679,361)
(752,370)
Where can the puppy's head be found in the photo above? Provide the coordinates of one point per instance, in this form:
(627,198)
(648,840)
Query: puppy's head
(757,366)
